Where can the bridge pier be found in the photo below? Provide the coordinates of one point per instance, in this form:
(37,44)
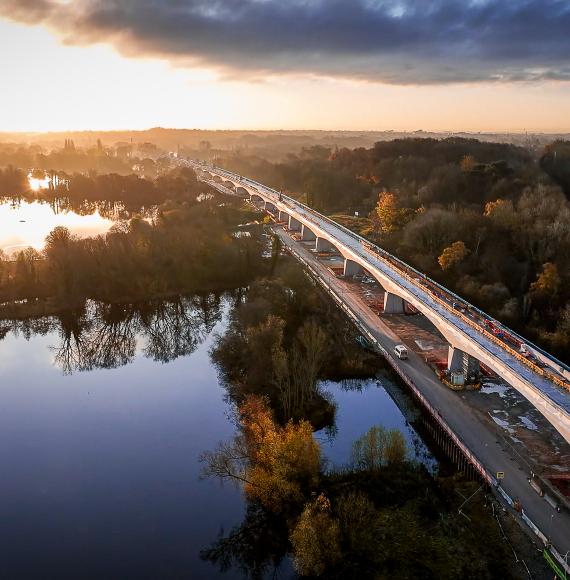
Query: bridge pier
(307,235)
(283,216)
(323,245)
(294,225)
(461,362)
(351,268)
(393,304)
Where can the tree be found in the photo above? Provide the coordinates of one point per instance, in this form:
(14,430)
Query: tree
(357,518)
(547,283)
(26,275)
(205,145)
(387,213)
(453,255)
(296,370)
(395,450)
(276,247)
(467,163)
(316,539)
(3,260)
(313,345)
(378,447)
(564,321)
(556,162)
(57,250)
(277,465)
(431,231)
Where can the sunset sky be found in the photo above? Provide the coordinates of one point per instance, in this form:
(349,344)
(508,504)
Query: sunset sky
(269,64)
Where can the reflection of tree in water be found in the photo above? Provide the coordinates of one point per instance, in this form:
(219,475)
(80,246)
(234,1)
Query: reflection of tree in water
(112,210)
(68,355)
(110,337)
(106,335)
(32,326)
(255,547)
(175,328)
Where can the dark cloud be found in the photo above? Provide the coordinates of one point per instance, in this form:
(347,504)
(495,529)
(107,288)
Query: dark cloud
(401,42)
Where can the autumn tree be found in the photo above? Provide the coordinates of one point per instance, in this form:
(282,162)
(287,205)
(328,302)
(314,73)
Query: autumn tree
(547,282)
(277,465)
(316,539)
(453,255)
(467,163)
(388,215)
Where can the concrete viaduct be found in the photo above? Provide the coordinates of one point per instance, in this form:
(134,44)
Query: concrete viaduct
(545,385)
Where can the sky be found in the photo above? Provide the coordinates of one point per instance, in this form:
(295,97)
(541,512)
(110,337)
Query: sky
(441,65)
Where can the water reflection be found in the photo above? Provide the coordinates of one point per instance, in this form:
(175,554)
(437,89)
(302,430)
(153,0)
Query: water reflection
(24,224)
(100,451)
(258,548)
(105,336)
(100,468)
(361,404)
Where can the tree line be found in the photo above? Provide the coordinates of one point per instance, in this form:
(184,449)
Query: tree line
(121,158)
(86,192)
(188,247)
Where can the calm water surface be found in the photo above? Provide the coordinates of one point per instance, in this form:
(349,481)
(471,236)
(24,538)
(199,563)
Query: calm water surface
(100,473)
(25,224)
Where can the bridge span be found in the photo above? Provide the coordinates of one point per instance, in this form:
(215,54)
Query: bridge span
(473,336)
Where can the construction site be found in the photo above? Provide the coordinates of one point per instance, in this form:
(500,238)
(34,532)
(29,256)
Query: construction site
(519,428)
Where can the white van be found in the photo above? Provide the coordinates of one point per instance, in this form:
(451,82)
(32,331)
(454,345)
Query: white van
(401,351)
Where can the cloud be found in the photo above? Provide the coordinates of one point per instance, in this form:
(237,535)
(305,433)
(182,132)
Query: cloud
(398,42)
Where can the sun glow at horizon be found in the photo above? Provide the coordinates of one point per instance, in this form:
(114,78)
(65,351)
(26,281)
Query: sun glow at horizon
(92,87)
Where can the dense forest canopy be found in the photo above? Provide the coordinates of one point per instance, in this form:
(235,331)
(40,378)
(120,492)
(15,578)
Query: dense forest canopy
(489,220)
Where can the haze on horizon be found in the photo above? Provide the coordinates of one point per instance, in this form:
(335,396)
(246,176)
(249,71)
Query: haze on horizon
(446,65)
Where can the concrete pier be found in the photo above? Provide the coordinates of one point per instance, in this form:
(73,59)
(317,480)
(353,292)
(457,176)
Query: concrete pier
(393,304)
(307,234)
(352,268)
(294,225)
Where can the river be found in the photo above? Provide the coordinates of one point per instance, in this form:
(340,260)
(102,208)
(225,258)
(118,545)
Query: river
(103,416)
(27,223)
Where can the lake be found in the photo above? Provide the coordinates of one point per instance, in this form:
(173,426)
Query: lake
(103,415)
(27,223)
